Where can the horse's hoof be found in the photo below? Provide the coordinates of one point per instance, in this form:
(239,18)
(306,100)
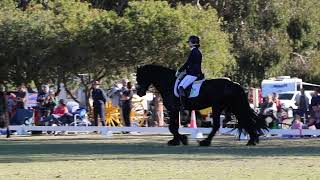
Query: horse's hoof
(173,142)
(184,139)
(251,143)
(205,143)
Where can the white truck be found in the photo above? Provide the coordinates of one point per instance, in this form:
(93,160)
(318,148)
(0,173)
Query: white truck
(283,84)
(280,84)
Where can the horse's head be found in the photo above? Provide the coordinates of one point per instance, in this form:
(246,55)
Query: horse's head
(161,78)
(143,81)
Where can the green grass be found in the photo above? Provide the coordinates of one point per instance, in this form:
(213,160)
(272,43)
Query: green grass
(148,157)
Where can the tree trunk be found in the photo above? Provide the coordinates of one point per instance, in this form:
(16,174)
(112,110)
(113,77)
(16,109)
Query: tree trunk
(38,85)
(87,94)
(68,91)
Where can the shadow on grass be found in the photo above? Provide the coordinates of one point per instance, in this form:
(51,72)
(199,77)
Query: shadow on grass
(56,150)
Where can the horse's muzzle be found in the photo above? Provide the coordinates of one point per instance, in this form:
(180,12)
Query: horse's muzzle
(140,91)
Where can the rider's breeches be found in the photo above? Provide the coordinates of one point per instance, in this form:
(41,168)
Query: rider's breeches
(187,80)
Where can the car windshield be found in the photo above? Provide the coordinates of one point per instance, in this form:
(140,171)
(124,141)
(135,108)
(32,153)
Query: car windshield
(285,96)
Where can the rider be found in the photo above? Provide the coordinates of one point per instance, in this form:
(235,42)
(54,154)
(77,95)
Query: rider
(192,67)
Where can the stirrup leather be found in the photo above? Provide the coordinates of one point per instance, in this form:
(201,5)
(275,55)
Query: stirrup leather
(182,97)
(181,92)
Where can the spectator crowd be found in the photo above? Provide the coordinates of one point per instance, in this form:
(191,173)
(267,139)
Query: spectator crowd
(49,109)
(306,116)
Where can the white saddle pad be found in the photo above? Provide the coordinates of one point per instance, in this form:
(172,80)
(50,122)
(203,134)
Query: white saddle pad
(196,85)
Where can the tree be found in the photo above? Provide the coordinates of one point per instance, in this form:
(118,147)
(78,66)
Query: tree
(270,37)
(68,38)
(118,6)
(25,43)
(255,40)
(160,33)
(301,24)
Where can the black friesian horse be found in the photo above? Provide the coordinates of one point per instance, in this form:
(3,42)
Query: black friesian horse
(219,94)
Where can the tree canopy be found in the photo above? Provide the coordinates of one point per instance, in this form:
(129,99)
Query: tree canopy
(57,41)
(71,38)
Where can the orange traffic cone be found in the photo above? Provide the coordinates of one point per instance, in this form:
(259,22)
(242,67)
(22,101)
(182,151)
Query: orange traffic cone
(193,121)
(196,134)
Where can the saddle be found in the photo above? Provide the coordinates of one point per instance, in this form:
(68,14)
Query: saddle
(193,89)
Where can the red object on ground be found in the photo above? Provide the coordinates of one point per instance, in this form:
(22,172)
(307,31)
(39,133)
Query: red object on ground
(193,121)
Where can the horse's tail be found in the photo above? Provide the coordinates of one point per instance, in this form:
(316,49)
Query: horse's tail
(260,122)
(248,118)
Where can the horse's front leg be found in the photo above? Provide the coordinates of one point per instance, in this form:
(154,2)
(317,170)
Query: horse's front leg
(215,128)
(174,129)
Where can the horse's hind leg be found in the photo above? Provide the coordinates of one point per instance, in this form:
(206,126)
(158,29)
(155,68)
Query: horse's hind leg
(250,128)
(215,127)
(174,129)
(254,137)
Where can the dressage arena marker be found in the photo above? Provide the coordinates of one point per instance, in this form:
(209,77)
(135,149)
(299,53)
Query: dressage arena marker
(108,131)
(243,136)
(193,124)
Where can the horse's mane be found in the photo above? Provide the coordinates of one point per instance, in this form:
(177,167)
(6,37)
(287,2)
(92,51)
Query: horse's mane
(226,78)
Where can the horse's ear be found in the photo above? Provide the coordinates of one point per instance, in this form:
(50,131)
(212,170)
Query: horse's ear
(139,67)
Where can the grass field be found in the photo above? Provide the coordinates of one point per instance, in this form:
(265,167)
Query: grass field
(148,157)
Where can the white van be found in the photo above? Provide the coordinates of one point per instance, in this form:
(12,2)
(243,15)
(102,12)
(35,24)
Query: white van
(280,84)
(287,99)
(284,84)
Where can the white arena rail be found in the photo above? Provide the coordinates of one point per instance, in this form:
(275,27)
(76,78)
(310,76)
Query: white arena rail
(155,130)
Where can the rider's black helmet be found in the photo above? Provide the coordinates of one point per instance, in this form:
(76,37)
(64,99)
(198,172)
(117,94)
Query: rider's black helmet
(194,40)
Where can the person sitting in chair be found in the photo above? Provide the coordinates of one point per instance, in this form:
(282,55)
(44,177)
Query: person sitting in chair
(60,113)
(192,67)
(268,107)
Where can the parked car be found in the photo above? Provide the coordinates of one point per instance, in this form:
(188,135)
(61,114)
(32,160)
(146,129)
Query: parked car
(287,98)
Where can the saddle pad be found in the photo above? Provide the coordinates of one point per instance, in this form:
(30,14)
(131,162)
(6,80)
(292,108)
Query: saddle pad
(196,85)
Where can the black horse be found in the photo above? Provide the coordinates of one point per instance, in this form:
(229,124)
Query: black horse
(220,94)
